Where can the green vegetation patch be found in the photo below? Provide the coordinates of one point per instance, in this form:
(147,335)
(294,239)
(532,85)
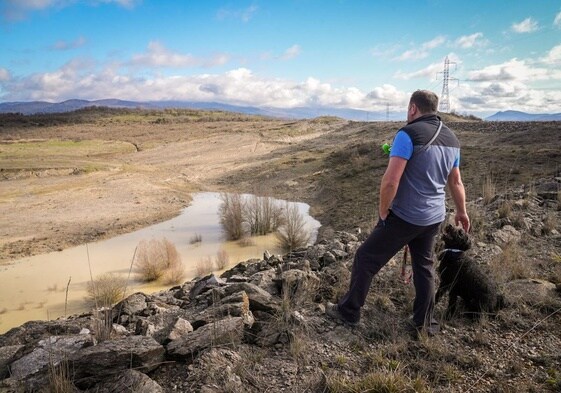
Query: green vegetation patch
(54,153)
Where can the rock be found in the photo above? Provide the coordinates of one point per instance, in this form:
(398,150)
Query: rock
(507,234)
(127,381)
(132,305)
(7,355)
(228,331)
(32,369)
(265,280)
(298,285)
(94,364)
(33,331)
(327,259)
(204,284)
(259,299)
(180,328)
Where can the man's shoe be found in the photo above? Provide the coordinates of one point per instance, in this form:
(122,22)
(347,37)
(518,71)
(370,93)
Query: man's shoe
(332,310)
(417,331)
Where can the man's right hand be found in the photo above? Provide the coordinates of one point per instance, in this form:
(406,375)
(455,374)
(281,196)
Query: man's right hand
(463,219)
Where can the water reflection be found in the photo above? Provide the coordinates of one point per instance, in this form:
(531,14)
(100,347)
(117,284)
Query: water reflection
(35,287)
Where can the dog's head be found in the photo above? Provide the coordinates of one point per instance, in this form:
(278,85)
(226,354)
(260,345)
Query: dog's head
(456,238)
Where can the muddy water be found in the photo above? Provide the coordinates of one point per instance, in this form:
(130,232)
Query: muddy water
(35,287)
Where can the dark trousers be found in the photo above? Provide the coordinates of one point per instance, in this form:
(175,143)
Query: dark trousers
(387,238)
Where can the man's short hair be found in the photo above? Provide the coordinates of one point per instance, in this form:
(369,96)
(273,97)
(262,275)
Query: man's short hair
(426,101)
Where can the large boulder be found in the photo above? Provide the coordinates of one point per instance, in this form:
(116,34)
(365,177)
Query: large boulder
(127,381)
(228,331)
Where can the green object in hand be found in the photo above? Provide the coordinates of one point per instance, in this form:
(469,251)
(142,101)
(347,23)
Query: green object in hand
(386,148)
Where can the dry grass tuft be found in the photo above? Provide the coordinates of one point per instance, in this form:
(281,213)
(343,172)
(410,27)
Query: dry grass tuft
(222,259)
(106,290)
(156,258)
(204,267)
(391,381)
(489,189)
(59,378)
(509,265)
(505,209)
(549,223)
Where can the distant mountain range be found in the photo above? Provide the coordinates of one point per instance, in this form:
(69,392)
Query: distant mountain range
(523,116)
(34,107)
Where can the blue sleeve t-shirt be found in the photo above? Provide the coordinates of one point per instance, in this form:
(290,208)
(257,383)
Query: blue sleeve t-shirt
(403,147)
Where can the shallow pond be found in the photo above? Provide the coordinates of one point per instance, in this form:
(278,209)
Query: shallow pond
(35,287)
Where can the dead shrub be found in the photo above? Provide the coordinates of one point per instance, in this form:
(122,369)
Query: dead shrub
(155,257)
(263,215)
(106,290)
(174,275)
(222,259)
(231,215)
(293,233)
(204,267)
(196,238)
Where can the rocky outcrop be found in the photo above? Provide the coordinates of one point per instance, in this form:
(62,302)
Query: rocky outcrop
(201,323)
(181,324)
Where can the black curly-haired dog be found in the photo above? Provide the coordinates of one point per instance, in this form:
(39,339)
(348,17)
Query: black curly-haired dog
(460,275)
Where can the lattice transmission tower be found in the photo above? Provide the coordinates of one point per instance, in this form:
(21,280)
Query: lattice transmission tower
(445,96)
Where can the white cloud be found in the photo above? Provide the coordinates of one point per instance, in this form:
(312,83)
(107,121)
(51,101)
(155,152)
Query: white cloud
(67,45)
(423,50)
(4,75)
(469,41)
(292,52)
(513,70)
(159,56)
(553,56)
(80,79)
(557,20)
(528,25)
(428,72)
(15,10)
(245,15)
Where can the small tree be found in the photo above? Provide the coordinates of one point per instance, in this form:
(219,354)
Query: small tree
(293,233)
(231,215)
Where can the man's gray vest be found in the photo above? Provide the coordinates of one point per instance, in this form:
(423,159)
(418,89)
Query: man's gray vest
(420,198)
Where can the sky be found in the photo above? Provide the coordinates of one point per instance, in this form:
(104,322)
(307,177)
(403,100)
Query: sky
(360,54)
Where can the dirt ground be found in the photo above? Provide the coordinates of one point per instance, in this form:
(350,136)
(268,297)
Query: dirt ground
(118,172)
(51,200)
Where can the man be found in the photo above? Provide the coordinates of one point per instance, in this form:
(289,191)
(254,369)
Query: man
(411,209)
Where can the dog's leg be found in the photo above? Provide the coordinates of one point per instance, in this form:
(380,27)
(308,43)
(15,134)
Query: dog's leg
(452,303)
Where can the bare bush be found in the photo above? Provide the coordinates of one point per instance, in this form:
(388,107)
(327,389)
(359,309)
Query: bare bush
(231,215)
(204,266)
(293,234)
(196,238)
(155,257)
(222,259)
(263,215)
(174,275)
(106,290)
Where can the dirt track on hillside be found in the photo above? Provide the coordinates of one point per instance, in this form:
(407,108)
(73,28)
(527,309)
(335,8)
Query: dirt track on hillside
(45,210)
